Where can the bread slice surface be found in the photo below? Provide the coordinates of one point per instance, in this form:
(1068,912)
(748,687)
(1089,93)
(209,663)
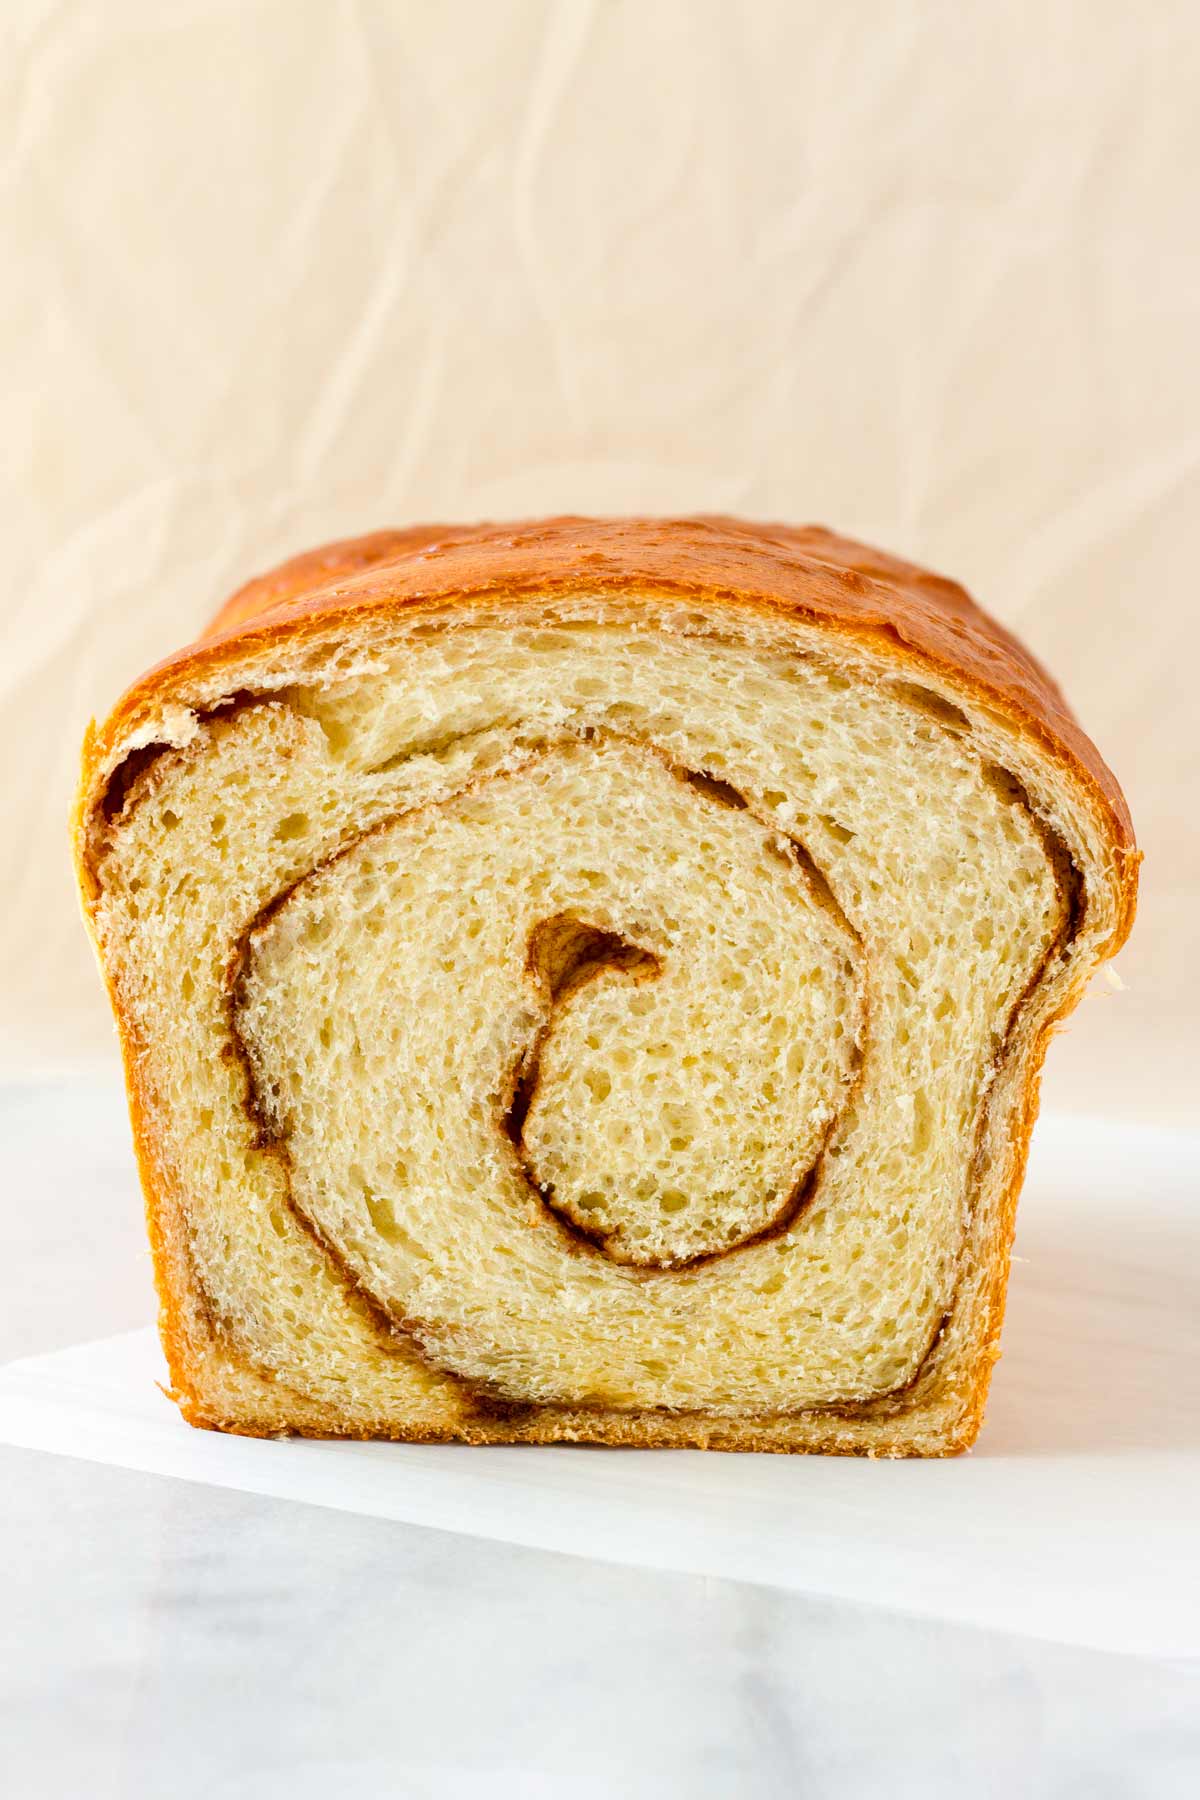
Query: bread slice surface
(588,981)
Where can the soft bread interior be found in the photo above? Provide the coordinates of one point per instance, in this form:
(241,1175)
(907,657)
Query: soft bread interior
(595,1009)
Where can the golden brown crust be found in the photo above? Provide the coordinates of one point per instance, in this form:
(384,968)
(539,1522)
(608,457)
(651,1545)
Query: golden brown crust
(804,570)
(920,620)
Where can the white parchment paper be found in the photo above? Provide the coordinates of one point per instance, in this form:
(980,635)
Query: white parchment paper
(1076,1518)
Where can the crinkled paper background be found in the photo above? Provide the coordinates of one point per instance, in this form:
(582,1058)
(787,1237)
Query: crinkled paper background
(276,272)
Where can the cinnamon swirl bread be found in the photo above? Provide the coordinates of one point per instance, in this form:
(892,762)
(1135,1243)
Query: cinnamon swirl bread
(588,981)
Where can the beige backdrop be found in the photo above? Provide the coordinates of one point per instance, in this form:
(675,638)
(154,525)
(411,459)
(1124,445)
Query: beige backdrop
(279,272)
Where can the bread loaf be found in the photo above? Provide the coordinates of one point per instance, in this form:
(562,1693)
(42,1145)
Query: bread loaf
(588,981)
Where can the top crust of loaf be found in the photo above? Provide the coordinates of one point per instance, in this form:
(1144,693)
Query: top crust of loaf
(920,619)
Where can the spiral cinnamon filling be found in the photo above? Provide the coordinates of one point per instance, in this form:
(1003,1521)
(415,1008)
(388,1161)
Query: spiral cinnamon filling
(596,1068)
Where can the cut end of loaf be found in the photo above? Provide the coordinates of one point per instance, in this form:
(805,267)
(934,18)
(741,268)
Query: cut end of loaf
(587,982)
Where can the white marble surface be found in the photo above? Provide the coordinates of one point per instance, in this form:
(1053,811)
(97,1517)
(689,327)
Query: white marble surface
(166,1637)
(170,1639)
